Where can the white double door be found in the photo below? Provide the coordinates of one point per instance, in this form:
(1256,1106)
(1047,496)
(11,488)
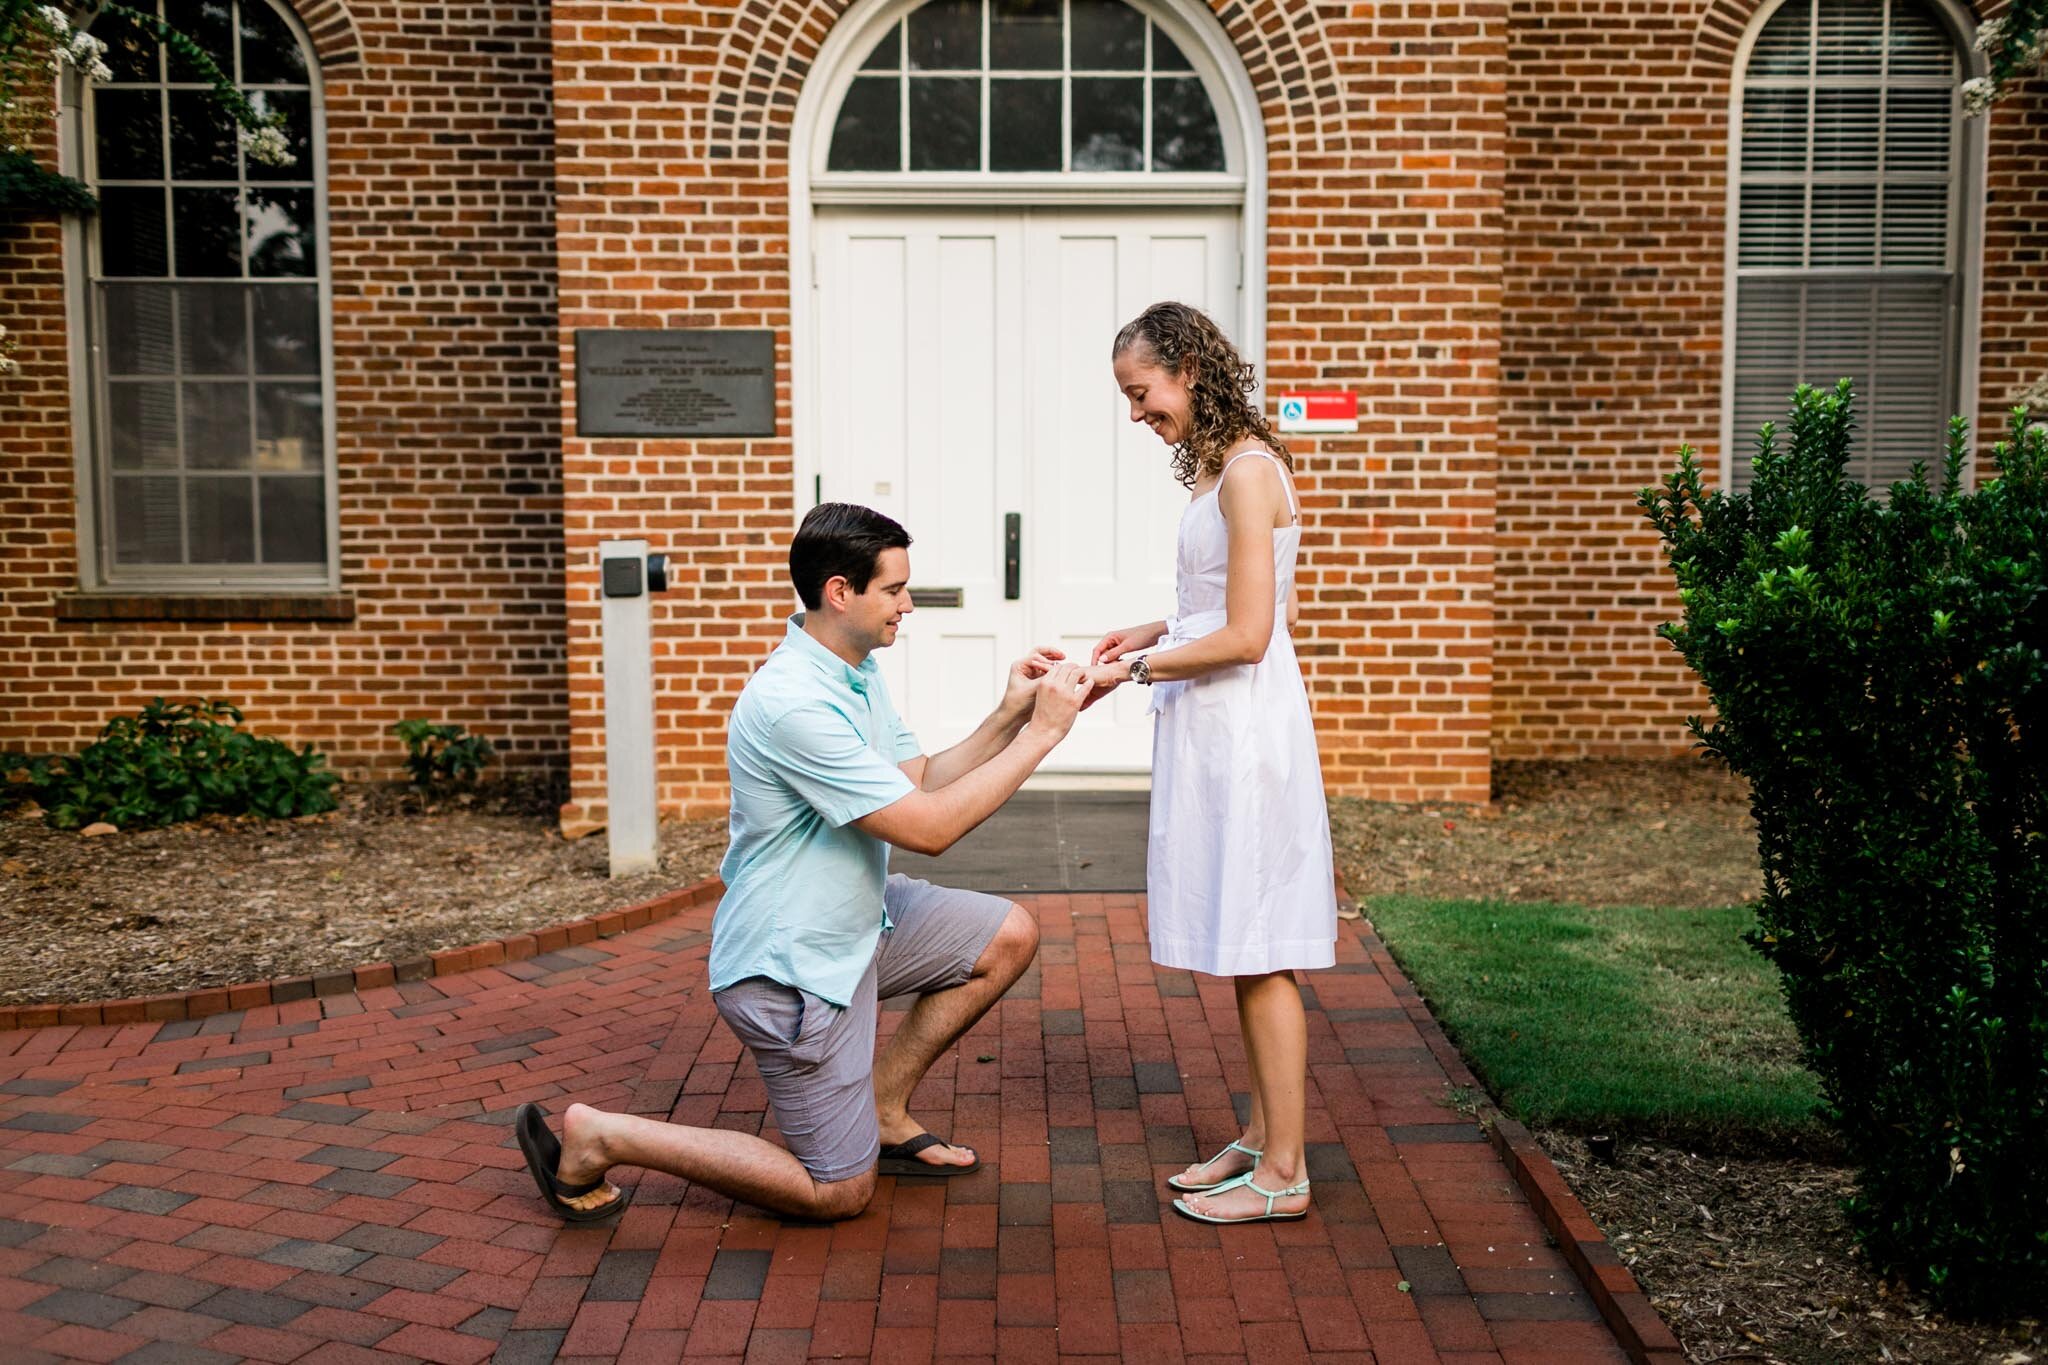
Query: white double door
(965,390)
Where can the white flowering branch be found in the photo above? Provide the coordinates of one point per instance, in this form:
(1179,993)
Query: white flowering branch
(38,41)
(2017,45)
(38,44)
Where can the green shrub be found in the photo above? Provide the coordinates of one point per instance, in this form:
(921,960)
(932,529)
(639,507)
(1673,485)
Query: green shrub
(174,762)
(1877,670)
(438,755)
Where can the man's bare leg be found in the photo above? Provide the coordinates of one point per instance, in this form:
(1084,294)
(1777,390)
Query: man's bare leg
(937,1021)
(736,1164)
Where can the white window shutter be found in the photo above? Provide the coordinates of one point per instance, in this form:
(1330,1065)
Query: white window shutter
(1845,259)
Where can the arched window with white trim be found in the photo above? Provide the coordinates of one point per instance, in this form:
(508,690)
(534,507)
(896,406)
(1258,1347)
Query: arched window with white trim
(1021,86)
(210,384)
(1850,215)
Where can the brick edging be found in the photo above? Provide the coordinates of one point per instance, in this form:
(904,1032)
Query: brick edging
(213,1000)
(1621,1301)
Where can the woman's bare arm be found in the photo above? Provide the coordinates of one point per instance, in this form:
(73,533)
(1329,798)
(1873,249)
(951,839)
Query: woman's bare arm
(1253,505)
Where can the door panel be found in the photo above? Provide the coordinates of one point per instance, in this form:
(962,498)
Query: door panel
(963,375)
(921,419)
(1105,505)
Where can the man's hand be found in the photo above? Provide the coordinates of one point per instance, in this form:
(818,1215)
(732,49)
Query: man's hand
(1059,700)
(1022,685)
(1103,679)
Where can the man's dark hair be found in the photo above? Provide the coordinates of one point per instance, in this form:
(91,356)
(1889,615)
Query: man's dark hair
(840,540)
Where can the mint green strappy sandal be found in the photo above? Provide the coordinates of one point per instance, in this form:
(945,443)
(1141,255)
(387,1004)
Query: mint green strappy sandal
(1181,1205)
(1174,1182)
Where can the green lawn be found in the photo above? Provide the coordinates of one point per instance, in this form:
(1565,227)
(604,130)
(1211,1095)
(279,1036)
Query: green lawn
(1648,1022)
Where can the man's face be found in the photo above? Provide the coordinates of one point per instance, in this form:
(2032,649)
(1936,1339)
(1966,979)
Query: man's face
(873,616)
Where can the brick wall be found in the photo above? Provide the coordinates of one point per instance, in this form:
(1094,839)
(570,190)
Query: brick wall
(1616,202)
(1501,223)
(440,219)
(1384,157)
(2014,328)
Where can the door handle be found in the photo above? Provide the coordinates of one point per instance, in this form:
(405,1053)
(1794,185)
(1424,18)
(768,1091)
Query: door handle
(1013,556)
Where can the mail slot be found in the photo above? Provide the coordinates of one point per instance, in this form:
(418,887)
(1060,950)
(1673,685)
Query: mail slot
(938,597)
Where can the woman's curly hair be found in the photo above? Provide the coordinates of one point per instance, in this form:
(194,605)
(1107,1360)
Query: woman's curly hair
(1188,342)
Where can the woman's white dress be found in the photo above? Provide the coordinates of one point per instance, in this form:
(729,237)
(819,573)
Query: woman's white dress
(1239,879)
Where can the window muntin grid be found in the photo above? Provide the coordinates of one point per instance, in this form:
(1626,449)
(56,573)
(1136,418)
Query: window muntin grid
(1026,85)
(1847,255)
(210,378)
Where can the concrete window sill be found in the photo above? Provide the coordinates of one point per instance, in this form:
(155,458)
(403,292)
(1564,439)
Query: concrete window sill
(333,606)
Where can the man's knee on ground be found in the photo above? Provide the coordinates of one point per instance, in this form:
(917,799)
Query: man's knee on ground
(840,1199)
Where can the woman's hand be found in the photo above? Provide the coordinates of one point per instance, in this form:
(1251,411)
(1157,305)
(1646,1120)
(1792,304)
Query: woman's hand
(1118,643)
(1103,679)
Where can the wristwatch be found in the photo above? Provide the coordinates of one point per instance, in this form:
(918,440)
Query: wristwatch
(1141,672)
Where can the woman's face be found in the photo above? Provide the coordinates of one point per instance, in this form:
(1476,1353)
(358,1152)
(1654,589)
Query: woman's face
(1158,396)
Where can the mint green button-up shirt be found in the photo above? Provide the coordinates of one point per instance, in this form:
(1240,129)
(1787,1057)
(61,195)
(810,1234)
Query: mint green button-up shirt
(814,745)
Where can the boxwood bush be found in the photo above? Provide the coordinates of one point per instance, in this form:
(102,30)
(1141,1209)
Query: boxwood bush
(439,755)
(1876,671)
(174,762)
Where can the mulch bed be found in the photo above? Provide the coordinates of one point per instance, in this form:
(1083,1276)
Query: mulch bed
(386,877)
(1591,832)
(1751,1259)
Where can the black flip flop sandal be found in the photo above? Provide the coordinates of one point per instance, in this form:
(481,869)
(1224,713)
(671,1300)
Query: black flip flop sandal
(543,1154)
(900,1158)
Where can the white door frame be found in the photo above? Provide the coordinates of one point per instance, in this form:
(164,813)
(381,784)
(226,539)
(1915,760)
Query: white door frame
(1191,24)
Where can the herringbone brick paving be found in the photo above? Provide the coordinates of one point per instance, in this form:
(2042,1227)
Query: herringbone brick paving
(333,1180)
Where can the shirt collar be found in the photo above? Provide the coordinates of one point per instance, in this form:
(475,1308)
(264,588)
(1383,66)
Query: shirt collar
(828,663)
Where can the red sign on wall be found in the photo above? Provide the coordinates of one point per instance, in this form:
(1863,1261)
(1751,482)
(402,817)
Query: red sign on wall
(1319,411)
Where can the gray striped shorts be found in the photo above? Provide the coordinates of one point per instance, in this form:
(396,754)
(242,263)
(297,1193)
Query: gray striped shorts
(817,1059)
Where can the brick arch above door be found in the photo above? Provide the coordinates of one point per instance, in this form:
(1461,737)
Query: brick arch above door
(337,41)
(768,50)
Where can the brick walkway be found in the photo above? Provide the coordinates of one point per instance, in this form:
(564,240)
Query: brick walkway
(333,1180)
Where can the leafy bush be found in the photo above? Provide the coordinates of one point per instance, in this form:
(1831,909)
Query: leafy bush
(1877,669)
(438,755)
(174,762)
(25,185)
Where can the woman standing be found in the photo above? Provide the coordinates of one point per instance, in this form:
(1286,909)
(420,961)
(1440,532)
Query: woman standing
(1239,880)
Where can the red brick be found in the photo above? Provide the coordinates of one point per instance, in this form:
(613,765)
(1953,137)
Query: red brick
(452,960)
(599,1329)
(442,1346)
(374,975)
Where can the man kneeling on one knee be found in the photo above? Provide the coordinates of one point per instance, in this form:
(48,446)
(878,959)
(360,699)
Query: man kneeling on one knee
(813,930)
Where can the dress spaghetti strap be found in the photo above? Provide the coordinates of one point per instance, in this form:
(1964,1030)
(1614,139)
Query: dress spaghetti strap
(1286,484)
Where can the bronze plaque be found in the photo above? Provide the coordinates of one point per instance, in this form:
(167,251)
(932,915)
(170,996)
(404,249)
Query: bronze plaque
(675,381)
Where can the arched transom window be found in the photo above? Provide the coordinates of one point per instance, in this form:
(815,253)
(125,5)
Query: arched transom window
(1848,253)
(1024,86)
(209,391)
